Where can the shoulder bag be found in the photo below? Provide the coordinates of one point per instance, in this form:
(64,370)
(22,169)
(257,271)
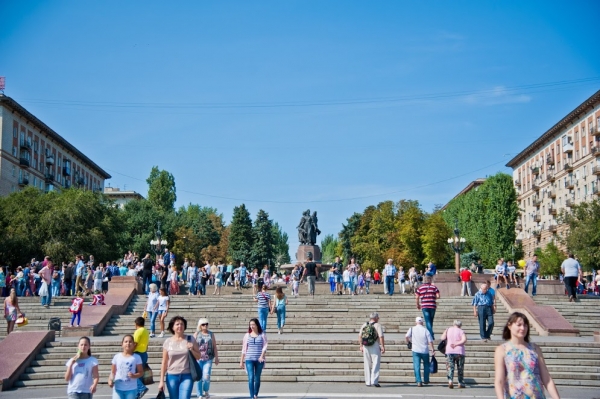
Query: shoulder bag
(195,370)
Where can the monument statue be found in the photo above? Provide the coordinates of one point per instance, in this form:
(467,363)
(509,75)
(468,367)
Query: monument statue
(308,228)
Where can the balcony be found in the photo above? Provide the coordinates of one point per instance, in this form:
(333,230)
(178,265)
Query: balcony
(550,176)
(25,145)
(569,184)
(50,160)
(535,170)
(595,151)
(517,183)
(23,181)
(568,166)
(595,130)
(520,226)
(552,228)
(567,148)
(537,201)
(66,171)
(536,233)
(595,190)
(24,162)
(596,170)
(49,177)
(549,159)
(570,203)
(552,210)
(551,193)
(535,186)
(537,218)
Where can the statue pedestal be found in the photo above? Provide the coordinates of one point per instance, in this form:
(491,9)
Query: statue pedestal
(303,250)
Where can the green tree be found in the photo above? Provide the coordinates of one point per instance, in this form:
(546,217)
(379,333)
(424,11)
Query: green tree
(434,238)
(329,249)
(161,190)
(140,223)
(281,248)
(550,259)
(409,224)
(263,246)
(486,217)
(348,231)
(583,237)
(199,220)
(241,237)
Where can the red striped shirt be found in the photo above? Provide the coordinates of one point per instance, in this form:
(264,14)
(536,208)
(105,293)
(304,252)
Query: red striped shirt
(428,294)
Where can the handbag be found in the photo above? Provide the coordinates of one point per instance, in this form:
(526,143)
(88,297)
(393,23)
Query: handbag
(195,370)
(148,377)
(43,289)
(160,395)
(145,314)
(433,365)
(22,321)
(442,345)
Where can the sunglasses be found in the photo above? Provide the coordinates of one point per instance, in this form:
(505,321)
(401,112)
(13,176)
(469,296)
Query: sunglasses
(205,324)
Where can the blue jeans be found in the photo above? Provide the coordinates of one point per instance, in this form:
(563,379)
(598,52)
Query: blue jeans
(428,315)
(263,313)
(204,384)
(485,315)
(280,316)
(147,279)
(533,279)
(180,386)
(68,286)
(47,299)
(125,394)
(367,285)
(55,288)
(202,288)
(144,357)
(417,359)
(254,369)
(193,289)
(389,283)
(352,284)
(152,320)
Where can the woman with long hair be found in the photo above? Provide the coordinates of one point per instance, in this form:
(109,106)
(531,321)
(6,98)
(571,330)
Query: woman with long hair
(254,350)
(11,310)
(520,369)
(264,304)
(152,308)
(279,308)
(163,309)
(175,360)
(82,372)
(126,368)
(209,353)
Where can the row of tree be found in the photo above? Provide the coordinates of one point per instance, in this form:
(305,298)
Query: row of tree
(398,230)
(63,224)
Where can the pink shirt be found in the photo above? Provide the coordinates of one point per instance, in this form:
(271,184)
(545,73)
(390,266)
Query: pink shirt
(46,274)
(454,335)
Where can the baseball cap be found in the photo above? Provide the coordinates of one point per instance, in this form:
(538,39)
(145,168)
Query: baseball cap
(419,319)
(202,321)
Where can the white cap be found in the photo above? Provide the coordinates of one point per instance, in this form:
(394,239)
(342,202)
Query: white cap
(419,319)
(202,321)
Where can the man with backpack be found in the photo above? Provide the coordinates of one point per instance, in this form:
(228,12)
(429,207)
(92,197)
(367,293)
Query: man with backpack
(372,345)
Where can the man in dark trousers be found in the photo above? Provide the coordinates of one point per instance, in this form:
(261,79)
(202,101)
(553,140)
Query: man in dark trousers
(148,264)
(310,272)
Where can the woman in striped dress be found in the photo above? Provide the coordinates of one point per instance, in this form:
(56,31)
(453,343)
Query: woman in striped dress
(254,349)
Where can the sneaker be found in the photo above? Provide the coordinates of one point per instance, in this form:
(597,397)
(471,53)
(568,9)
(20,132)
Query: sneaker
(507,286)
(162,334)
(377,385)
(419,384)
(461,386)
(152,335)
(450,385)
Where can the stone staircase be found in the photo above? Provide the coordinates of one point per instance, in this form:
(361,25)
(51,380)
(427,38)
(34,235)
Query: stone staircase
(325,314)
(583,314)
(317,360)
(39,316)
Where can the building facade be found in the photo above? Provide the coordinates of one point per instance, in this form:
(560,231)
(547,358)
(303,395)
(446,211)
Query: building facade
(120,198)
(555,172)
(32,154)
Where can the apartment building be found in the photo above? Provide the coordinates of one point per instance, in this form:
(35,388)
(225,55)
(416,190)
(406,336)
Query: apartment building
(121,198)
(555,172)
(32,154)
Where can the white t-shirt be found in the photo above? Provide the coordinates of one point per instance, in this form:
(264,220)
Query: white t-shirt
(125,365)
(162,302)
(152,300)
(571,267)
(511,269)
(420,338)
(81,375)
(500,269)
(346,276)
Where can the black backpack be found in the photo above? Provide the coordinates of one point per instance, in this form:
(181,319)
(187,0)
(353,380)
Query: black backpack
(54,324)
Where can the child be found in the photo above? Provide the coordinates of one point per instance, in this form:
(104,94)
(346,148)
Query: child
(332,280)
(163,309)
(361,283)
(82,371)
(236,279)
(125,370)
(174,284)
(98,299)
(76,307)
(295,284)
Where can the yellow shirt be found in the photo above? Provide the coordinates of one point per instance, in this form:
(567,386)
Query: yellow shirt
(141,337)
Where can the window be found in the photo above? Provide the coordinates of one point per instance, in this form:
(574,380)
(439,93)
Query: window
(584,170)
(14,151)
(35,146)
(582,130)
(585,193)
(578,193)
(14,171)
(577,136)
(41,185)
(583,151)
(15,131)
(34,181)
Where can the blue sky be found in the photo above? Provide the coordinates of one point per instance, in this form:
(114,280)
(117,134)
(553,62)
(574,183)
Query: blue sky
(285,106)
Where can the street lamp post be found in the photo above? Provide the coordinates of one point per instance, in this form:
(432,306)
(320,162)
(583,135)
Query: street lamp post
(158,243)
(457,244)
